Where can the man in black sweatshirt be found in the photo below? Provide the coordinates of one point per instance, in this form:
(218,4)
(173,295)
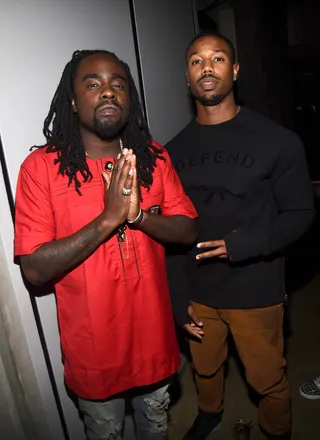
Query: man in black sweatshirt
(248,179)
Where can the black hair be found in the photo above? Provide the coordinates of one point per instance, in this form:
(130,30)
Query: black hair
(64,136)
(215,34)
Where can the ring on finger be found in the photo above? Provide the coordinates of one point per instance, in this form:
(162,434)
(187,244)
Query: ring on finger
(126,191)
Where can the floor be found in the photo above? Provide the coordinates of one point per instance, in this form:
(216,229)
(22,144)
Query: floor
(303,355)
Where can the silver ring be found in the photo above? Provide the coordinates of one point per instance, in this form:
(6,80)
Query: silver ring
(126,191)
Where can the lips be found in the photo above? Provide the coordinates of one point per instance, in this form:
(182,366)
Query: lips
(208,83)
(108,110)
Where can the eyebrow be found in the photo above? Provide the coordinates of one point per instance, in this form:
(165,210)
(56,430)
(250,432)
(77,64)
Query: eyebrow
(214,50)
(98,76)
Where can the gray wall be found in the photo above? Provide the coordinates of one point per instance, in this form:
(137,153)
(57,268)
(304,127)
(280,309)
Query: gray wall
(37,38)
(164,30)
(17,380)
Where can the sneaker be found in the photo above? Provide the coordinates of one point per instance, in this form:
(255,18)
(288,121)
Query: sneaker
(241,430)
(311,390)
(204,425)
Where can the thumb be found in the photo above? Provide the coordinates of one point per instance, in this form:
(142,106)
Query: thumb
(135,177)
(106,178)
(195,319)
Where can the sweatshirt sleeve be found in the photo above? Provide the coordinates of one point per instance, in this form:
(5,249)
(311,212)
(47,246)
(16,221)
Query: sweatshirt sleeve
(178,283)
(292,193)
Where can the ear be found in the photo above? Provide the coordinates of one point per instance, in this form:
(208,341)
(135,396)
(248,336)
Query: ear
(236,68)
(74,107)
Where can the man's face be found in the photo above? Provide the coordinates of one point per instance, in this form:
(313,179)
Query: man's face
(210,70)
(102,98)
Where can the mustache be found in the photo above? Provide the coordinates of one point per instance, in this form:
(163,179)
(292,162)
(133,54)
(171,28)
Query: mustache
(216,78)
(107,104)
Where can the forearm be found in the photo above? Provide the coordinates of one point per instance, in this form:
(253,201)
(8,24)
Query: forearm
(178,229)
(57,257)
(178,284)
(288,228)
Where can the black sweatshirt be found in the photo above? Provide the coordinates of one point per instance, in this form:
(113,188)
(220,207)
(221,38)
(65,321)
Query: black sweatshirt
(247,175)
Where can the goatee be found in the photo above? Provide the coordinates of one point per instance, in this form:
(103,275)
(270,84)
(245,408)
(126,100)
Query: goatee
(108,128)
(209,101)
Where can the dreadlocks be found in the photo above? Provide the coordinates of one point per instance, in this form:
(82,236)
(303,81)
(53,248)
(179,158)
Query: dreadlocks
(64,136)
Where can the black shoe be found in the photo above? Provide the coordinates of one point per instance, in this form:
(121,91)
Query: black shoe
(205,424)
(242,429)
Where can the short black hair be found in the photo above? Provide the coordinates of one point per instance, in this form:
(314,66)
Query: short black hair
(61,129)
(214,34)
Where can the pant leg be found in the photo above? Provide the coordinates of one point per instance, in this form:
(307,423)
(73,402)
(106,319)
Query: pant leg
(208,358)
(151,412)
(103,419)
(258,337)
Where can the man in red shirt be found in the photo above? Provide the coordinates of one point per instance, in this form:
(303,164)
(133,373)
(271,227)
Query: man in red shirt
(87,218)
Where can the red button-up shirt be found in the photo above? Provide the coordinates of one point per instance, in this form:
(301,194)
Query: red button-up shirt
(114,311)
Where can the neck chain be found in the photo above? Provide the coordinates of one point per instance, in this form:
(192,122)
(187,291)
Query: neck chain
(238,109)
(121,148)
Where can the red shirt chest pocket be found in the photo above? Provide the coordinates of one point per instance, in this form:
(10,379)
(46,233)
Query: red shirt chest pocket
(153,199)
(153,202)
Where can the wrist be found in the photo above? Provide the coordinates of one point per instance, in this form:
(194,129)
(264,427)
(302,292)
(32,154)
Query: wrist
(137,220)
(106,225)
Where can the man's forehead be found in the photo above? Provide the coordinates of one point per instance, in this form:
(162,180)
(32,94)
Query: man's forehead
(213,43)
(102,63)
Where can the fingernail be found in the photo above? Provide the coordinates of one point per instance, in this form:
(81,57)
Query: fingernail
(125,150)
(199,245)
(119,155)
(131,172)
(128,157)
(197,257)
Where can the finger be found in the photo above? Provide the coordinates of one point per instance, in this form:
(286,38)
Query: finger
(106,179)
(210,254)
(135,175)
(193,333)
(124,171)
(129,180)
(121,160)
(214,243)
(118,166)
(196,329)
(196,320)
(126,151)
(133,160)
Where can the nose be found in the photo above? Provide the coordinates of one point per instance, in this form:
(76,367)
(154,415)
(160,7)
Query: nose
(107,92)
(208,67)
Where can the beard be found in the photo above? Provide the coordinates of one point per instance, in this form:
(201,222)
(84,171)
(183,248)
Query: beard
(209,100)
(107,128)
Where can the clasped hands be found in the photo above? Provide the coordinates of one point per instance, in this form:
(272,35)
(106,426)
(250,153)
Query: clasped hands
(121,193)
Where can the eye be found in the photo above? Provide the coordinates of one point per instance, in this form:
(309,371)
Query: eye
(118,86)
(194,62)
(92,86)
(219,59)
